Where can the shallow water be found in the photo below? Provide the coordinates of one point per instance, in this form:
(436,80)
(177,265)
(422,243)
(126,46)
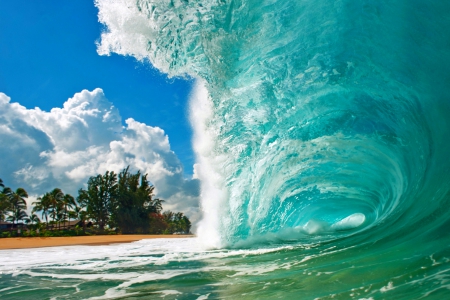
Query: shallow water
(180,269)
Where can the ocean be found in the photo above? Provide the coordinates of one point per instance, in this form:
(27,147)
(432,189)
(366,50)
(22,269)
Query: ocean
(183,269)
(321,130)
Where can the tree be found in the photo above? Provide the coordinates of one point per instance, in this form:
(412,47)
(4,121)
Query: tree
(185,225)
(4,201)
(80,213)
(55,204)
(17,215)
(18,205)
(127,203)
(68,202)
(4,205)
(55,199)
(176,222)
(157,223)
(33,220)
(43,205)
(99,197)
(134,203)
(146,194)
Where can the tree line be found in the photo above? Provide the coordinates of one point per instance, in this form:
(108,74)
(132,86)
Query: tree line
(121,203)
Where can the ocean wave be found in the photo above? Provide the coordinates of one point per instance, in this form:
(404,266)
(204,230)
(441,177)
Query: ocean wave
(317,119)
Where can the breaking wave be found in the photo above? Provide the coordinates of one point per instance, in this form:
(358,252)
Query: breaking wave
(312,119)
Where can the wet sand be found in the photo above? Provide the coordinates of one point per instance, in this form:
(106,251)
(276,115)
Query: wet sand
(38,242)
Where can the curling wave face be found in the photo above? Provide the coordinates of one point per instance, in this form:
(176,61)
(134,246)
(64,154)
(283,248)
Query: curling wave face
(314,120)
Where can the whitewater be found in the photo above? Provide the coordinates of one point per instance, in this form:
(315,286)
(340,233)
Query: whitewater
(321,130)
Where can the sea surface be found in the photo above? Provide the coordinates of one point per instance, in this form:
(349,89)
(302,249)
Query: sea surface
(322,134)
(182,269)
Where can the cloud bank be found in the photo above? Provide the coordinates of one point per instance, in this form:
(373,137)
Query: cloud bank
(62,148)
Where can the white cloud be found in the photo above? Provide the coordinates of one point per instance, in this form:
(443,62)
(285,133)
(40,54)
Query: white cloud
(64,147)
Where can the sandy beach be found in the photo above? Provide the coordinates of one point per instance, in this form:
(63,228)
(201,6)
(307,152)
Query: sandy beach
(38,242)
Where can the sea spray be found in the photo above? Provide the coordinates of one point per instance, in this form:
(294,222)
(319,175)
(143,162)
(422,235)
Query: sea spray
(207,167)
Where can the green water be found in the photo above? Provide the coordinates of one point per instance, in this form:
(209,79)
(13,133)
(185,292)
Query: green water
(180,269)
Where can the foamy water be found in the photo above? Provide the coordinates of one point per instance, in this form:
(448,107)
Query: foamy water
(182,269)
(114,271)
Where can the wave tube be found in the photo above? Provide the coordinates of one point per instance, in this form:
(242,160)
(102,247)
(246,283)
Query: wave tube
(313,120)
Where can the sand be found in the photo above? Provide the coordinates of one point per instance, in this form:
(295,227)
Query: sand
(38,242)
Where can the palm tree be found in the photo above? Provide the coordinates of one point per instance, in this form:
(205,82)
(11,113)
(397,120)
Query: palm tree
(3,206)
(43,205)
(68,202)
(72,214)
(17,215)
(33,219)
(18,205)
(4,202)
(55,197)
(81,215)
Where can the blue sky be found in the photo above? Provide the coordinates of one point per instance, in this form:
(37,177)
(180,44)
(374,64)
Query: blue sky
(67,113)
(48,53)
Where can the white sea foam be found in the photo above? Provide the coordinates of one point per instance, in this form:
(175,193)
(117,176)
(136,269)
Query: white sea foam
(350,222)
(107,263)
(388,287)
(93,262)
(212,191)
(203,297)
(315,227)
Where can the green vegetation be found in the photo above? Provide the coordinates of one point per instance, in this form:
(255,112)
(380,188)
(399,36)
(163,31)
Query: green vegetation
(112,203)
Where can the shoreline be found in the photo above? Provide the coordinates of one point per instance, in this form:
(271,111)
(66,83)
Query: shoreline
(92,240)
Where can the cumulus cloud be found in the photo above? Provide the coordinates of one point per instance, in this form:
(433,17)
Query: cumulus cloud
(62,148)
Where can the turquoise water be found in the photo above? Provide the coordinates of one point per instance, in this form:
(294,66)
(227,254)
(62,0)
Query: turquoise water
(182,269)
(322,138)
(306,113)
